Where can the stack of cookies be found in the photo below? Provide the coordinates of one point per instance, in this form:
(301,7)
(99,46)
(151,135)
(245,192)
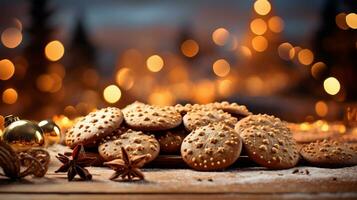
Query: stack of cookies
(208,137)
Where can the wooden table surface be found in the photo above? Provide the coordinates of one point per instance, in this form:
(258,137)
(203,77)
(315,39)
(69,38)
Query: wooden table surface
(241,181)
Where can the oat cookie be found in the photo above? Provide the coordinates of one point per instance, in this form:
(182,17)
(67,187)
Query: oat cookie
(330,153)
(151,118)
(135,143)
(268,141)
(93,127)
(212,147)
(234,109)
(170,141)
(203,116)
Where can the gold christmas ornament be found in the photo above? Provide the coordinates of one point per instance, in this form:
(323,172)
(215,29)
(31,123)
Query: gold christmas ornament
(22,135)
(51,131)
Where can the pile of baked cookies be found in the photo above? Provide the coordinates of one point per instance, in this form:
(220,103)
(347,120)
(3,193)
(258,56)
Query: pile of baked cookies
(208,137)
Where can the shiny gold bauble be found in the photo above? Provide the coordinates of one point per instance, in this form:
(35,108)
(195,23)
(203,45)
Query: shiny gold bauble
(22,135)
(51,132)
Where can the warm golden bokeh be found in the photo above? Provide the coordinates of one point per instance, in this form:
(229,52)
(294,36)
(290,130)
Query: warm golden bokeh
(221,67)
(225,87)
(245,51)
(190,48)
(321,108)
(259,43)
(351,20)
(332,85)
(276,24)
(305,56)
(317,69)
(11,37)
(262,7)
(9,96)
(125,78)
(258,26)
(7,69)
(340,20)
(204,92)
(112,94)
(284,50)
(155,63)
(54,50)
(161,97)
(45,82)
(220,36)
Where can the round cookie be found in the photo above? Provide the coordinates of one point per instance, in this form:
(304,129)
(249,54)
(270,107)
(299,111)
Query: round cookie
(330,153)
(151,118)
(93,127)
(212,147)
(135,143)
(170,141)
(234,109)
(203,116)
(268,141)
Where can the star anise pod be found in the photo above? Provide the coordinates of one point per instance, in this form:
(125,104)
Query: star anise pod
(76,165)
(127,168)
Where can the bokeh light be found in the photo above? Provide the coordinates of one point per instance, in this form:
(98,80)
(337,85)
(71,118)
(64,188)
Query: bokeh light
(305,56)
(225,87)
(332,85)
(190,48)
(49,82)
(112,94)
(259,43)
(351,20)
(11,37)
(284,50)
(54,50)
(125,78)
(321,108)
(7,69)
(155,63)
(317,69)
(245,51)
(9,96)
(276,24)
(204,91)
(161,97)
(340,20)
(220,36)
(262,7)
(258,26)
(221,67)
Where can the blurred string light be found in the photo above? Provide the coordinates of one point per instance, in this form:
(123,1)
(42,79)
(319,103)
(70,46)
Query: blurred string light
(259,43)
(11,37)
(220,36)
(276,24)
(284,50)
(294,52)
(57,68)
(317,69)
(9,96)
(49,82)
(332,85)
(17,23)
(54,50)
(340,20)
(189,48)
(204,91)
(351,20)
(112,94)
(161,97)
(258,26)
(155,63)
(225,87)
(245,51)
(125,78)
(221,67)
(306,57)
(321,108)
(7,69)
(262,7)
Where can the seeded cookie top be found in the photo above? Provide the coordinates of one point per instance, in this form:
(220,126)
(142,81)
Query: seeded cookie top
(205,115)
(170,140)
(135,143)
(95,126)
(151,118)
(330,153)
(268,141)
(211,147)
(232,108)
